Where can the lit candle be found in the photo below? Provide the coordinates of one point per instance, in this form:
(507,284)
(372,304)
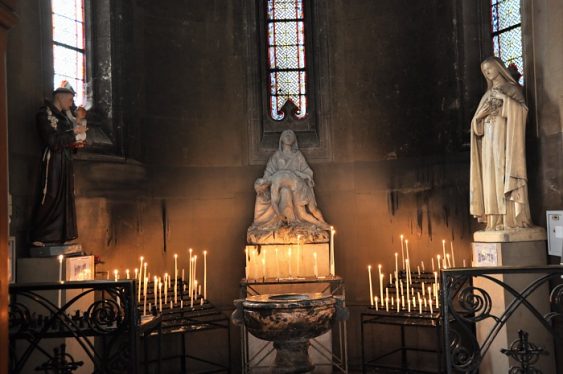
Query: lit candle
(289,260)
(464,265)
(298,255)
(254,264)
(205,275)
(190,272)
(386,304)
(376,305)
(380,284)
(439,261)
(140,278)
(422,264)
(398,304)
(418,269)
(126,273)
(422,286)
(61,257)
(155,291)
(396,263)
(452,250)
(160,295)
(402,252)
(145,265)
(246,270)
(407,249)
(381,279)
(430,303)
(165,288)
(195,267)
(316,268)
(145,283)
(448,260)
(433,268)
(370,284)
(332,267)
(116,274)
(136,273)
(277,264)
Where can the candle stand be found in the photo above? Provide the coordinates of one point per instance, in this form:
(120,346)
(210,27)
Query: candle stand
(404,321)
(329,285)
(409,315)
(188,323)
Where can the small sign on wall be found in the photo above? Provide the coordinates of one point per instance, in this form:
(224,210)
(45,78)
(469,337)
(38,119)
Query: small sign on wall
(555,232)
(485,254)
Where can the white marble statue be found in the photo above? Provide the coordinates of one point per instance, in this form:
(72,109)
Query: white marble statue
(285,201)
(498,181)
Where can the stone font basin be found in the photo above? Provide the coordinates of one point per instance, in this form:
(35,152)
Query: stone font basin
(288,316)
(289,320)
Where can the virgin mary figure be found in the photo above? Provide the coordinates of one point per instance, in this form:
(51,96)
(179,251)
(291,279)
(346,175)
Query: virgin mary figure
(285,200)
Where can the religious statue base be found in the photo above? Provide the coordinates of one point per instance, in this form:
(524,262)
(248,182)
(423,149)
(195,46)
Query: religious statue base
(287,233)
(514,235)
(56,250)
(525,252)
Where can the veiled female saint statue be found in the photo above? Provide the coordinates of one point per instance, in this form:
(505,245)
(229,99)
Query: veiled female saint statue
(498,180)
(285,201)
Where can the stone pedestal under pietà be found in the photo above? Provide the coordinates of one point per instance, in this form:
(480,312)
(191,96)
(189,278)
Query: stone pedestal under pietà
(524,247)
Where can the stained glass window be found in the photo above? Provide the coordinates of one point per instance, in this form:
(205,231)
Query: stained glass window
(285,29)
(69,54)
(506,27)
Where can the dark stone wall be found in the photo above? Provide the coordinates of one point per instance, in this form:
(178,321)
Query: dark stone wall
(402,92)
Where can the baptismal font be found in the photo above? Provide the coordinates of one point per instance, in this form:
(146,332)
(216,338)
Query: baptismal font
(289,255)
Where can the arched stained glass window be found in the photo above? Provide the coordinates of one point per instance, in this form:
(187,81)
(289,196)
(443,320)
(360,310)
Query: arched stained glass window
(69,49)
(287,73)
(506,32)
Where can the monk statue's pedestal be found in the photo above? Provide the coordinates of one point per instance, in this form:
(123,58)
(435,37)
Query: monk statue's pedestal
(519,248)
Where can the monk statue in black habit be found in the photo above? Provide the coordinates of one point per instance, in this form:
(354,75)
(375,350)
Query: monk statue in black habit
(62,130)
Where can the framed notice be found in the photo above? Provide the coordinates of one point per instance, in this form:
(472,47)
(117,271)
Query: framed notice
(485,254)
(80,268)
(12,259)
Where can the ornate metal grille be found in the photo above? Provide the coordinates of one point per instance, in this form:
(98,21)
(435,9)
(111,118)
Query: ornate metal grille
(69,51)
(112,318)
(506,32)
(467,306)
(285,29)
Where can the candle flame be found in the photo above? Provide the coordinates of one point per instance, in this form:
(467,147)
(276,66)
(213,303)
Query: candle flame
(205,253)
(175,255)
(61,258)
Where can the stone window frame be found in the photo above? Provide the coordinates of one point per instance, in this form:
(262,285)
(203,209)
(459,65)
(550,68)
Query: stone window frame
(103,36)
(313,134)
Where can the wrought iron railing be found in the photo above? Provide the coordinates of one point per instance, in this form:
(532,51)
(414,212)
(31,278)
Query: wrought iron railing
(111,319)
(494,299)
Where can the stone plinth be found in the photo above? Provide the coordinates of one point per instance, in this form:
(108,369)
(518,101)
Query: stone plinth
(530,251)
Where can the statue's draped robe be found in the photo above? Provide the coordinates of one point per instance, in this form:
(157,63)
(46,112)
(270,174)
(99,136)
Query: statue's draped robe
(264,214)
(54,215)
(498,181)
